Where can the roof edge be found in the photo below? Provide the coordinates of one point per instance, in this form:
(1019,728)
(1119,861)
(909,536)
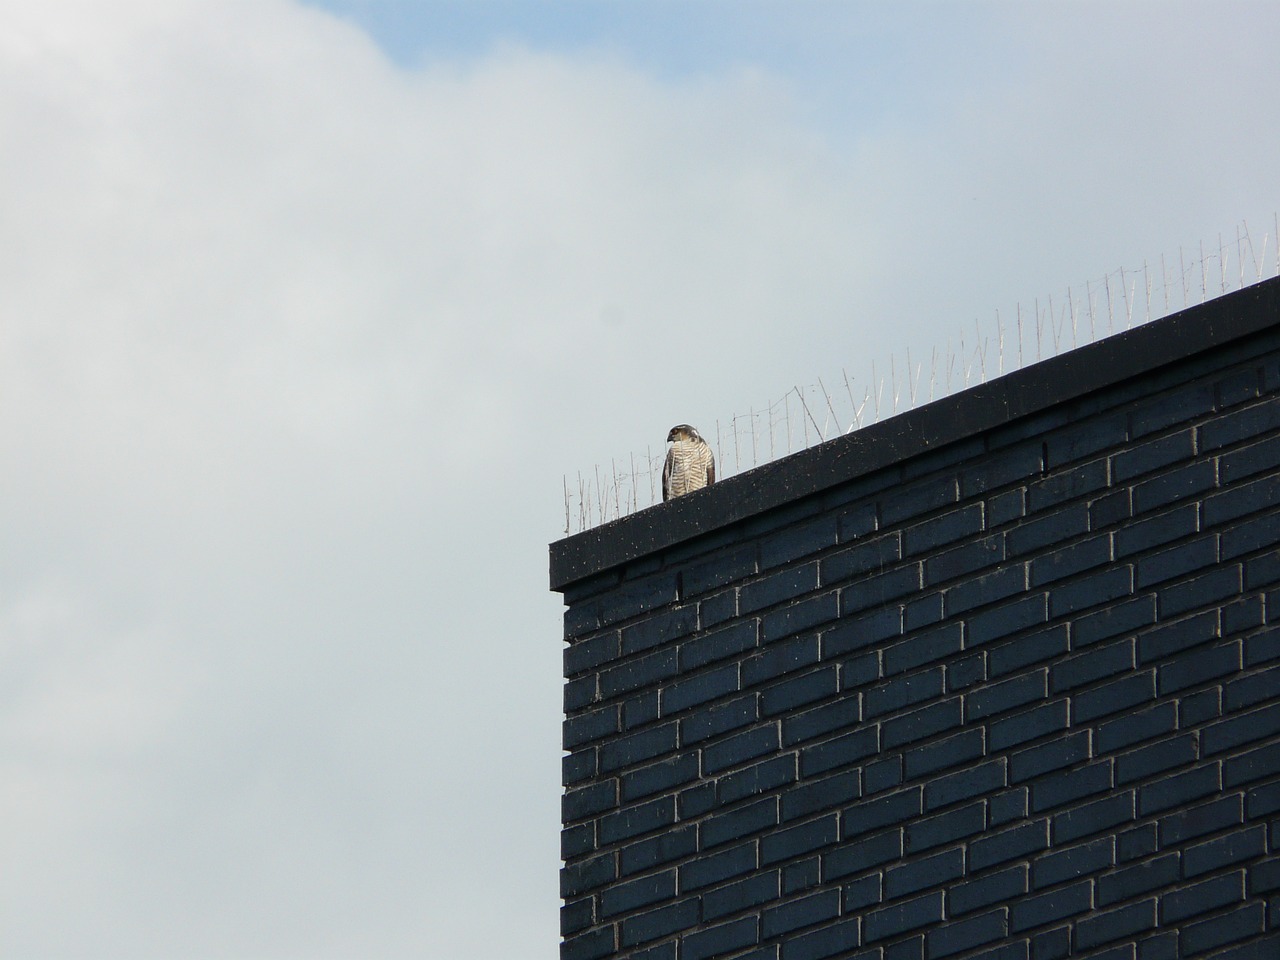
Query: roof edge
(948,420)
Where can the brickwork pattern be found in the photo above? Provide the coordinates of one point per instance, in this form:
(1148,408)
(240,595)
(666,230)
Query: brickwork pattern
(1017,698)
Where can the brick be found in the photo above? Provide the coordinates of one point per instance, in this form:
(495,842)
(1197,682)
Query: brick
(640,672)
(1213,587)
(1113,621)
(586,801)
(1264,877)
(1130,882)
(1007,695)
(778,588)
(836,938)
(958,936)
(802,875)
(714,868)
(577,841)
(639,819)
(1215,854)
(850,859)
(1028,650)
(922,874)
(941,530)
(814,796)
(1156,531)
(1070,560)
(1112,925)
(1002,468)
(1095,817)
(1252,689)
(800,913)
(879,590)
(581,692)
(1046,908)
(699,688)
(1202,897)
(780,659)
(720,939)
(800,691)
(721,828)
(882,775)
(1078,481)
(1172,408)
(1177,561)
(741,895)
(966,672)
(717,645)
(947,827)
(1108,698)
(798,616)
(659,629)
(717,608)
(721,718)
(1062,788)
(923,648)
(796,841)
(973,782)
(1263,800)
(1241,729)
(1097,589)
(949,752)
(1006,507)
(1194,822)
(1138,842)
(1179,484)
(589,946)
(1254,765)
(1057,754)
(658,923)
(1057,527)
(638,747)
(667,847)
(586,875)
(964,560)
(1169,639)
(1239,501)
(1179,789)
(584,655)
(859,632)
(999,887)
(843,713)
(640,710)
(1156,758)
(1007,806)
(864,557)
(756,779)
(859,521)
(858,672)
(921,722)
(798,541)
(902,917)
(1094,435)
(1254,459)
(634,894)
(722,568)
(1245,424)
(840,751)
(590,726)
(1194,669)
(1028,725)
(1013,844)
(1100,662)
(923,611)
(1136,727)
(1152,455)
(868,815)
(577,916)
(739,748)
(1002,583)
(1246,921)
(999,622)
(1199,707)
(903,692)
(1072,863)
(1111,509)
(639,596)
(912,501)
(861,893)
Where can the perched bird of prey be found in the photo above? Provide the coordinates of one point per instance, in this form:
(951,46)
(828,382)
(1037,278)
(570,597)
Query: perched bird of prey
(690,465)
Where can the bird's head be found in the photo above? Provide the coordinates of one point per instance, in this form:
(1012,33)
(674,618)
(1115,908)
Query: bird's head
(682,431)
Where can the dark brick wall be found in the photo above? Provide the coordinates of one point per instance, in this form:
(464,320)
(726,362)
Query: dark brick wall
(1011,693)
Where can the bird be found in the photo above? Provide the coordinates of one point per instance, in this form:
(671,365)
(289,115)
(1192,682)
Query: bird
(690,465)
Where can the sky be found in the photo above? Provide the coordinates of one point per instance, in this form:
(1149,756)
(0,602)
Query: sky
(307,310)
